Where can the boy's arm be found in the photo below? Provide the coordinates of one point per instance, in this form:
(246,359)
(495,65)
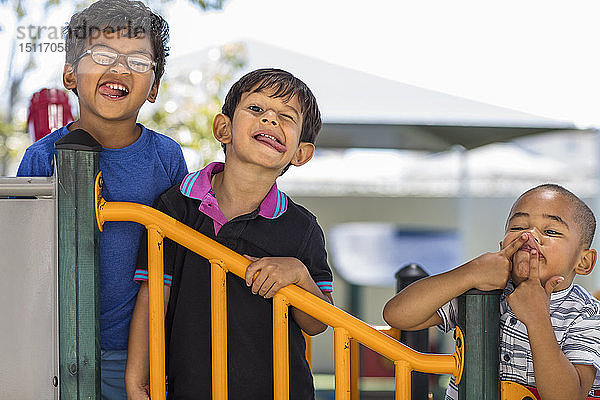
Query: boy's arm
(137,370)
(416,306)
(269,274)
(555,376)
(35,164)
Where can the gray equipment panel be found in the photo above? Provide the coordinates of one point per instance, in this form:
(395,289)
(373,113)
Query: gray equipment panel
(28,299)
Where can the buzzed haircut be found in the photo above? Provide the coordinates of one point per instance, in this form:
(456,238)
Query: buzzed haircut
(583,215)
(133,18)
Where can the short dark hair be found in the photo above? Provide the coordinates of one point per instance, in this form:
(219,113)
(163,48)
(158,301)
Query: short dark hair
(110,16)
(284,85)
(583,215)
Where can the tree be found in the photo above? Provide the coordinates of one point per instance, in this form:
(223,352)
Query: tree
(189,99)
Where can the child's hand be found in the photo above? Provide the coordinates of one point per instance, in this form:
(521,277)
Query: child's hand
(530,300)
(269,274)
(491,271)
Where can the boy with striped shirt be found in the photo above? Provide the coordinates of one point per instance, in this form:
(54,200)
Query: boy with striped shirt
(549,326)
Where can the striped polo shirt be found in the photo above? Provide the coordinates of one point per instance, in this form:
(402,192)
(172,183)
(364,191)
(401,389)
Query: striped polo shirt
(575,317)
(197,185)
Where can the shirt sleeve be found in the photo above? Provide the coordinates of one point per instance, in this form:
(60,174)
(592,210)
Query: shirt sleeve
(582,344)
(449,315)
(35,163)
(315,259)
(169,251)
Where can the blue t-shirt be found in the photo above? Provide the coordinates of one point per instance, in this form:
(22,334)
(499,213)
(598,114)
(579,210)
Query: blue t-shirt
(136,173)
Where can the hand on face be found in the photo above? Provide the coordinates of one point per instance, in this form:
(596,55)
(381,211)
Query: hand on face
(521,260)
(492,270)
(530,300)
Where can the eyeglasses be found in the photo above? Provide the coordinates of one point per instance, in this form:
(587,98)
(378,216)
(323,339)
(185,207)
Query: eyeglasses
(104,55)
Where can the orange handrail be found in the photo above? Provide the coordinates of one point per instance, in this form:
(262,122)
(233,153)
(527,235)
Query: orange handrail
(224,260)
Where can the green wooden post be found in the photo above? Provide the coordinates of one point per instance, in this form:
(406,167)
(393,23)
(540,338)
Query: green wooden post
(479,319)
(78,267)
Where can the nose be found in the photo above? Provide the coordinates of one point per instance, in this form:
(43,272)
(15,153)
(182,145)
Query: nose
(120,66)
(535,235)
(269,117)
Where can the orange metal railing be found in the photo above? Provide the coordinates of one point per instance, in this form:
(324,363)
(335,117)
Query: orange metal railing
(223,260)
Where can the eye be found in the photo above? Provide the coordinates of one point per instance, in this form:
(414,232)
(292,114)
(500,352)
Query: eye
(139,60)
(255,108)
(516,228)
(104,57)
(551,232)
(288,117)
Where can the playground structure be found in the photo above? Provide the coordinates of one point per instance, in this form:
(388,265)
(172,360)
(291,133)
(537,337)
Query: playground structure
(73,368)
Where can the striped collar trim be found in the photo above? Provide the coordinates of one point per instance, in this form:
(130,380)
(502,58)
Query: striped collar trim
(196,185)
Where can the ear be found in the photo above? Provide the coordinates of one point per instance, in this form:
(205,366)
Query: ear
(304,153)
(222,128)
(587,262)
(69,77)
(153,92)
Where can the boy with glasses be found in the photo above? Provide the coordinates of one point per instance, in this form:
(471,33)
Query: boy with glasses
(115,57)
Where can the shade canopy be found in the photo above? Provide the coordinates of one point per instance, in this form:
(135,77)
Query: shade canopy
(367,111)
(422,137)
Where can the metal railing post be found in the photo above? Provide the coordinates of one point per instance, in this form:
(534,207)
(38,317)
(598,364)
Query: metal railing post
(78,267)
(218,315)
(281,349)
(156,312)
(341,355)
(479,319)
(417,340)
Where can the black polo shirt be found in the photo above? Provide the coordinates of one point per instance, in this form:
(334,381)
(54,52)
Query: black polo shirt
(294,233)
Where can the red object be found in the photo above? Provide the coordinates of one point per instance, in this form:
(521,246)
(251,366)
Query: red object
(49,109)
(374,364)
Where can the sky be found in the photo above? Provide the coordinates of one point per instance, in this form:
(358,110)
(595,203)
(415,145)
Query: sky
(539,57)
(535,56)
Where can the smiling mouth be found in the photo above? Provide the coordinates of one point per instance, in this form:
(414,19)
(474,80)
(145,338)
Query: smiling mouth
(113,90)
(270,141)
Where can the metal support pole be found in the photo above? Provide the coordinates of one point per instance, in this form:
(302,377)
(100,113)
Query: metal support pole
(479,319)
(78,267)
(417,340)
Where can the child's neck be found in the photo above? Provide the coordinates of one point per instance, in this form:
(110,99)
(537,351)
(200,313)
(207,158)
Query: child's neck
(240,191)
(110,134)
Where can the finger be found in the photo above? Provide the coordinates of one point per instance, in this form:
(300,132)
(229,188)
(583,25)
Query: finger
(534,265)
(251,272)
(552,283)
(251,258)
(259,281)
(522,267)
(269,289)
(266,285)
(515,245)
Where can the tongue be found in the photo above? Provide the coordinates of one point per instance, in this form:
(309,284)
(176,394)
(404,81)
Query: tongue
(272,143)
(107,91)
